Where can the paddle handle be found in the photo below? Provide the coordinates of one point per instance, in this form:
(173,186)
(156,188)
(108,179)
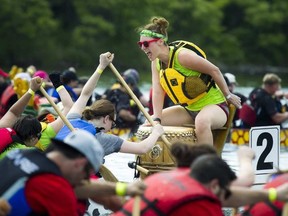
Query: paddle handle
(139,104)
(136,206)
(142,169)
(38,80)
(56,108)
(285,209)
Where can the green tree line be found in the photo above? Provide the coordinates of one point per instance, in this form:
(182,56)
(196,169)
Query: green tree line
(56,34)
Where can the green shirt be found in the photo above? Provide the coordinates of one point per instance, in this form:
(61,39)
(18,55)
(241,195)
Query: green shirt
(46,135)
(13,146)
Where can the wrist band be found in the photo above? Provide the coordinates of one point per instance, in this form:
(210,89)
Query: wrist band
(272,194)
(121,188)
(228,96)
(157,119)
(43,84)
(59,88)
(99,71)
(30,91)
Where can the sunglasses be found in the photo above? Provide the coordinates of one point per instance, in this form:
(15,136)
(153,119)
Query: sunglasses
(114,125)
(146,43)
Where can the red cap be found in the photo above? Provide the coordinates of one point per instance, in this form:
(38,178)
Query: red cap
(3,74)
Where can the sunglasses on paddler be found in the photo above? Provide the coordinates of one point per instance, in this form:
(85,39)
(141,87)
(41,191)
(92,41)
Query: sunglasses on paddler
(146,43)
(114,125)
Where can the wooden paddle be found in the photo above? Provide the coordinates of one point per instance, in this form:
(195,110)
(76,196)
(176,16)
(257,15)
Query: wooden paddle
(105,172)
(136,207)
(139,104)
(285,209)
(133,165)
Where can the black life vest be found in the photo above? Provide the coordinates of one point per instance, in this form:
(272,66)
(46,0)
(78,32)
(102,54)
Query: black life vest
(22,164)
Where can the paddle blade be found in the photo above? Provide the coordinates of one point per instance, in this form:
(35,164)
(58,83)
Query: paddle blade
(107,174)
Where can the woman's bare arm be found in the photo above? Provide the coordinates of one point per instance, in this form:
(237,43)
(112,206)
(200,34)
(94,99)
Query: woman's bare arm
(17,109)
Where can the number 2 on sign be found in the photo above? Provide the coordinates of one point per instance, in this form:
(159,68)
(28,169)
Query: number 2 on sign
(262,165)
(265,142)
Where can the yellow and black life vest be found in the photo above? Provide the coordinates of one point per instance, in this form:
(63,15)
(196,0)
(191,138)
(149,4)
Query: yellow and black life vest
(181,89)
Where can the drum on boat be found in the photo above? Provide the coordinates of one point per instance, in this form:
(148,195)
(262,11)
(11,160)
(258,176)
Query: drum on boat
(159,157)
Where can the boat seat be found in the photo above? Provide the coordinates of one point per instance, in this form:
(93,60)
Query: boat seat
(220,135)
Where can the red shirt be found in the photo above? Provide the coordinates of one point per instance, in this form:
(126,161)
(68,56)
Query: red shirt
(51,194)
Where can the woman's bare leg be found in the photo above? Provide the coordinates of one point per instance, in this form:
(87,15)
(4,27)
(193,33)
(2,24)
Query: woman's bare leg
(209,118)
(176,116)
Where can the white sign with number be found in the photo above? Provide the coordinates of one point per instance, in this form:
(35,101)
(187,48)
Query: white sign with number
(265,141)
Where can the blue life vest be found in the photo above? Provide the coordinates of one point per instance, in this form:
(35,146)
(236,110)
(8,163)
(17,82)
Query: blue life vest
(76,123)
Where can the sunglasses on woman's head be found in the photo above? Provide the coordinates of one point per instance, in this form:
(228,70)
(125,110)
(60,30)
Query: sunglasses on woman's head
(146,43)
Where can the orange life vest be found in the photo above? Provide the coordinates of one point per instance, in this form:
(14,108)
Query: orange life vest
(169,190)
(268,208)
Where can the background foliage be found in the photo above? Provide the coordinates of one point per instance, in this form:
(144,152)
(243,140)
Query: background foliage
(56,34)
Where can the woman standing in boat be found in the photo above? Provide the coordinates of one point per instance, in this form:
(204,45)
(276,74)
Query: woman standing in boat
(191,81)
